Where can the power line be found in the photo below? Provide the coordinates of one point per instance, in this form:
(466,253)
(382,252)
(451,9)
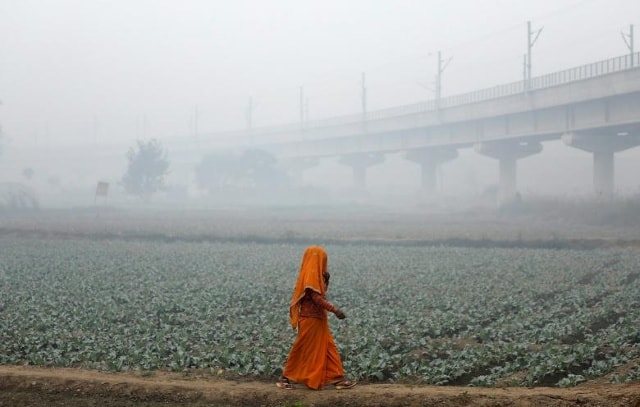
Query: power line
(517,26)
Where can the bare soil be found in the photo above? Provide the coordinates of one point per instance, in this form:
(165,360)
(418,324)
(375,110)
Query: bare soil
(27,386)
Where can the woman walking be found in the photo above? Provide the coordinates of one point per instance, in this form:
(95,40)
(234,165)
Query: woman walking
(313,360)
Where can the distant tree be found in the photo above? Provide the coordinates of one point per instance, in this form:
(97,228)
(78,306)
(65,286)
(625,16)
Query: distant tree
(17,196)
(54,181)
(28,173)
(217,170)
(148,165)
(260,167)
(254,168)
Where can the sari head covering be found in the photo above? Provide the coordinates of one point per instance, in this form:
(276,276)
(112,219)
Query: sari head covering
(314,264)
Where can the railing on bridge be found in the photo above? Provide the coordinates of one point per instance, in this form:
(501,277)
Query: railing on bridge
(591,70)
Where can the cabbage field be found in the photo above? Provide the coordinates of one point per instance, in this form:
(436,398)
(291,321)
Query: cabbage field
(416,313)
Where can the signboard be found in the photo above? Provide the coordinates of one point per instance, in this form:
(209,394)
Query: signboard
(102,189)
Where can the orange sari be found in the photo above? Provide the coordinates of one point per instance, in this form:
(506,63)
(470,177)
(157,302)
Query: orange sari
(314,359)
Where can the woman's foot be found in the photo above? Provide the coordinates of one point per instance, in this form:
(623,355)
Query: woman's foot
(284,383)
(345,384)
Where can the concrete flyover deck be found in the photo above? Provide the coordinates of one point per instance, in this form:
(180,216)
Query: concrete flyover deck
(595,107)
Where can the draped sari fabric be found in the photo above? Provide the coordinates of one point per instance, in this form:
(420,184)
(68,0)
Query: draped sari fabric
(314,263)
(313,359)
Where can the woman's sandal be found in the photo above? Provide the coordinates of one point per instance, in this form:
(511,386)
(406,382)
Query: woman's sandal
(345,384)
(284,383)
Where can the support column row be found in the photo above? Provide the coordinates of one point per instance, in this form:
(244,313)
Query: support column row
(507,152)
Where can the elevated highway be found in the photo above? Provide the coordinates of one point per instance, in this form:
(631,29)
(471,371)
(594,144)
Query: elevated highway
(594,107)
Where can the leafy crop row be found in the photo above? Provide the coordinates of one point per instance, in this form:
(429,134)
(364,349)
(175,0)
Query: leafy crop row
(430,314)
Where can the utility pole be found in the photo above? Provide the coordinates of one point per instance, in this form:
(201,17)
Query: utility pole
(95,128)
(531,40)
(442,65)
(249,113)
(141,126)
(628,40)
(249,116)
(196,117)
(364,98)
(301,107)
(306,109)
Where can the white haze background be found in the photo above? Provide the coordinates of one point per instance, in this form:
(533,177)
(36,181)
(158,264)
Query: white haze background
(87,78)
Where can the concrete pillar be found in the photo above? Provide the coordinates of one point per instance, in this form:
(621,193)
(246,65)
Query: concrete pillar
(359,176)
(359,162)
(296,166)
(430,160)
(603,173)
(508,173)
(508,152)
(603,148)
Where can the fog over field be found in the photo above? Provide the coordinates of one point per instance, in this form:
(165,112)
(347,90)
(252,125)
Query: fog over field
(82,81)
(165,163)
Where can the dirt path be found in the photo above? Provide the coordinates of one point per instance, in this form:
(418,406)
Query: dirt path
(22,386)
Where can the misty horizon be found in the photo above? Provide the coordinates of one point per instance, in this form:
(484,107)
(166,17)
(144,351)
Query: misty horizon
(83,81)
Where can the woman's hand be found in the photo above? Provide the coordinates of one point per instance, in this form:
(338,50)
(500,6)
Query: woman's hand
(338,312)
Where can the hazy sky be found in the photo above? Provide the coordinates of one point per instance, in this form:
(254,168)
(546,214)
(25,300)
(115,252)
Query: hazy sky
(78,70)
